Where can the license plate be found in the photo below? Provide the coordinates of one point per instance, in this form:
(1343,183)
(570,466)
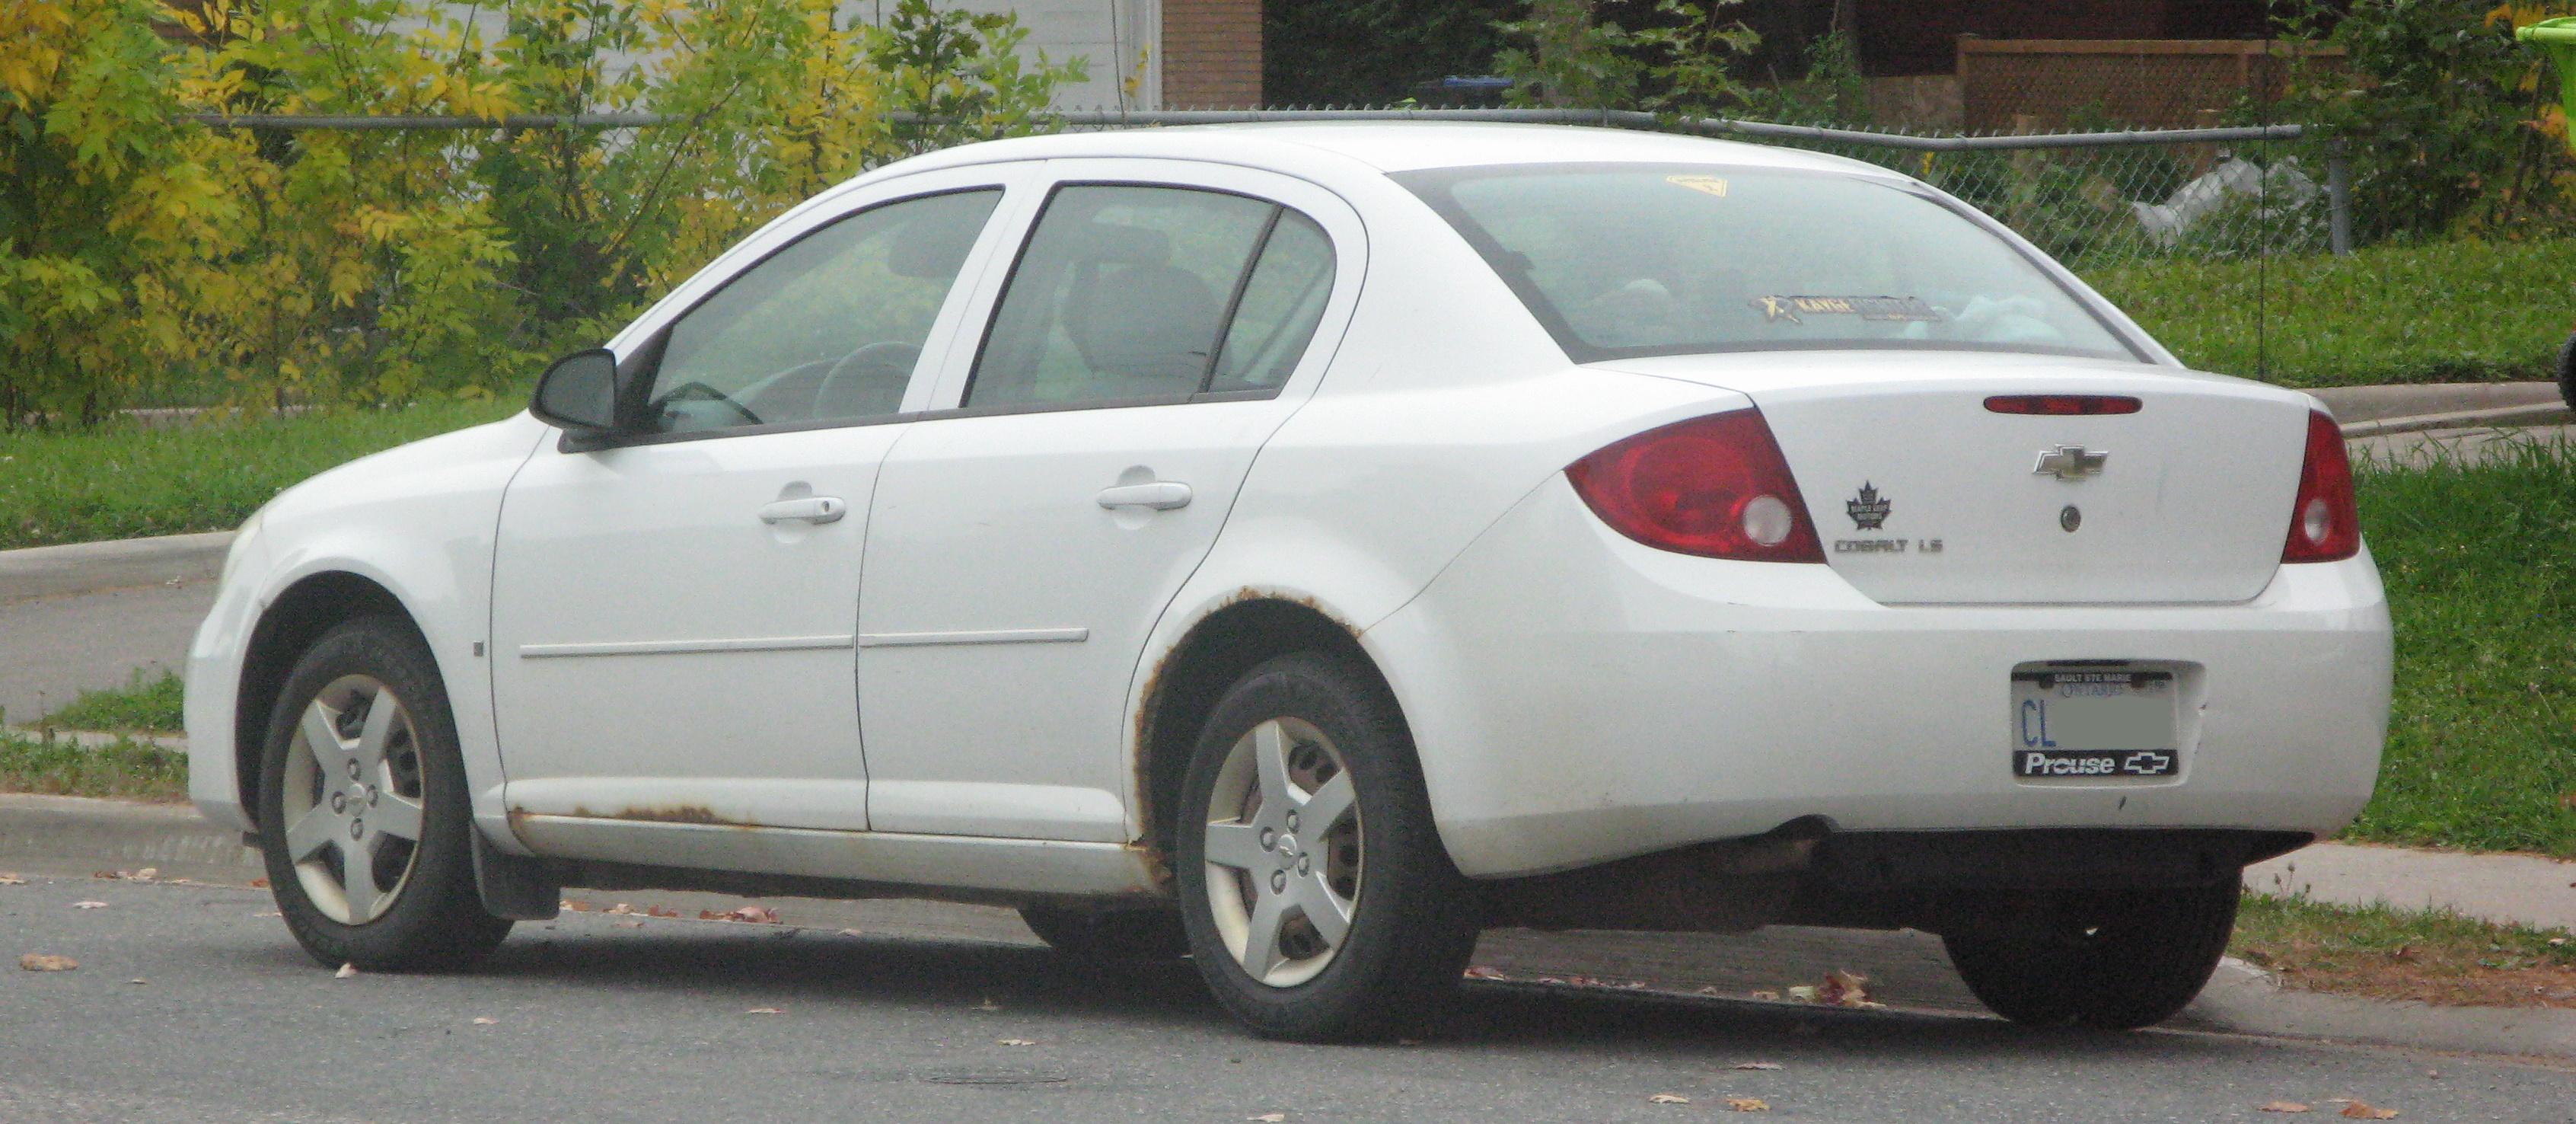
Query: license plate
(2098,724)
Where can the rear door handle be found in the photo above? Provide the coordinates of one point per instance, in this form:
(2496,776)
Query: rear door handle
(810,509)
(1161,495)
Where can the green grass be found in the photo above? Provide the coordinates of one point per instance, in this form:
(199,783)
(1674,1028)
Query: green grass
(2444,312)
(129,769)
(2480,564)
(151,705)
(2385,953)
(121,481)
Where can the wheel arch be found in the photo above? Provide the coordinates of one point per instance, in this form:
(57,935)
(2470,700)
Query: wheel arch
(1183,688)
(297,617)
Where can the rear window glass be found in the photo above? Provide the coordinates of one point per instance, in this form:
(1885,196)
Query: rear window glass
(1623,260)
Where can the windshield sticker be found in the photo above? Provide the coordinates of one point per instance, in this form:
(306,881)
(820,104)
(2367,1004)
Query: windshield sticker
(1774,309)
(1711,185)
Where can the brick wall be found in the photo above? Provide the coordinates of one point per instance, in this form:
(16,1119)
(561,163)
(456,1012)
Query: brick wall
(1211,54)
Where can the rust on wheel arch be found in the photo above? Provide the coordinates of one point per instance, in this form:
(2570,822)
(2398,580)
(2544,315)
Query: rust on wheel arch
(1184,667)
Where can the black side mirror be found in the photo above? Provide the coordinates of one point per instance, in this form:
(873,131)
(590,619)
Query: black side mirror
(579,392)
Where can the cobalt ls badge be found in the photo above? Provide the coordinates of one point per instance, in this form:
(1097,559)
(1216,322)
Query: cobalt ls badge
(1868,510)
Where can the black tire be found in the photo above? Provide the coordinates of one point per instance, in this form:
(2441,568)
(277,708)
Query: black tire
(2567,372)
(1411,918)
(1109,934)
(430,917)
(2110,960)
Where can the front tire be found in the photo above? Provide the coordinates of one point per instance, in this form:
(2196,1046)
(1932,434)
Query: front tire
(364,818)
(1319,901)
(2108,960)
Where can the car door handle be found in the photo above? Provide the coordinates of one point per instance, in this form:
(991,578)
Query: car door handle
(811,509)
(1161,495)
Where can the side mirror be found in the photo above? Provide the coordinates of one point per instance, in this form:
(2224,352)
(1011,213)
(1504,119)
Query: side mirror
(579,392)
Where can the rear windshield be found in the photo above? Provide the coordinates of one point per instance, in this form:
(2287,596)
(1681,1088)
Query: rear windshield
(1624,259)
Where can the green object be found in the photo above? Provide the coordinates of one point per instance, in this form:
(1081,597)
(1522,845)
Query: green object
(2558,38)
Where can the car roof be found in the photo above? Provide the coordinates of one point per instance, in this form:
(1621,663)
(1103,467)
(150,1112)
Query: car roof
(1389,147)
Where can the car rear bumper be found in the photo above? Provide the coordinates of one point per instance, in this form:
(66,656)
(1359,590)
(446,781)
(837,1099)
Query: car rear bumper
(1577,698)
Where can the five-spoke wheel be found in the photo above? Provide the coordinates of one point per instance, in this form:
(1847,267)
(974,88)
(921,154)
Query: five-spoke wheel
(363,812)
(1319,901)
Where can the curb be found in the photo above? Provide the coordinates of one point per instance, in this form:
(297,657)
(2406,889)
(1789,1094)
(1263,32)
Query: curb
(2539,413)
(2353,405)
(77,832)
(56,571)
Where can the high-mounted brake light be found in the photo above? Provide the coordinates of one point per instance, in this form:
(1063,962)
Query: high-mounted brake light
(2062,405)
(2323,525)
(1715,486)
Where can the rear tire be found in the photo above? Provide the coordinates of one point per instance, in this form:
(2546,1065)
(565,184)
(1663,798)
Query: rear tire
(364,818)
(2567,372)
(1109,934)
(2109,960)
(1320,903)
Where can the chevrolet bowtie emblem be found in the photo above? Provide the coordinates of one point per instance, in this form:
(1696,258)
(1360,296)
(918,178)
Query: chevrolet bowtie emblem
(2069,462)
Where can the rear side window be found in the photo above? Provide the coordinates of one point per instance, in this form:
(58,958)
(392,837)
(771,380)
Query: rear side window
(1128,293)
(1623,259)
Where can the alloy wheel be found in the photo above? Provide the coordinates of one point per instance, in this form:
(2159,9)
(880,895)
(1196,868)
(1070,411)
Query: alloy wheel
(352,799)
(1284,849)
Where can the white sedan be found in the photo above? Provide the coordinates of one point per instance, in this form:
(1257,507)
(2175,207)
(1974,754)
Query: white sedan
(1304,546)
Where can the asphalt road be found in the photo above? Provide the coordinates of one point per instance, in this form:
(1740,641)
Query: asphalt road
(191,1006)
(52,648)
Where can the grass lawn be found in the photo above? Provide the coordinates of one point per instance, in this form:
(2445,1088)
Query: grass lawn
(126,482)
(2481,571)
(2445,312)
(2384,953)
(127,769)
(149,705)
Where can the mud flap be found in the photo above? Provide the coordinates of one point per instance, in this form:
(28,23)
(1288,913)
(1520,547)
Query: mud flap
(512,886)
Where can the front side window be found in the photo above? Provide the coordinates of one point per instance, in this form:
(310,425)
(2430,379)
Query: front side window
(1622,260)
(827,329)
(1128,292)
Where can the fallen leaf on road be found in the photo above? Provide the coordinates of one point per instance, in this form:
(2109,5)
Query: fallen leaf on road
(346,971)
(137,981)
(40,962)
(1016,1041)
(1803,993)
(259,883)
(107,875)
(270,913)
(658,911)
(1770,995)
(1269,1117)
(756,914)
(147,874)
(89,905)
(576,907)
(1757,1065)
(1668,1098)
(7,879)
(1748,1104)
(2360,1111)
(764,1011)
(1481,972)
(852,933)
(622,908)
(2281,1106)
(485,1022)
(1843,989)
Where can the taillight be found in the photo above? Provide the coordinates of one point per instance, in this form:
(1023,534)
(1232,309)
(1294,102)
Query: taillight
(2062,405)
(2323,525)
(1714,486)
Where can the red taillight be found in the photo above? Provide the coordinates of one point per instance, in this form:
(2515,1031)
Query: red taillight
(2062,405)
(2323,525)
(1714,486)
